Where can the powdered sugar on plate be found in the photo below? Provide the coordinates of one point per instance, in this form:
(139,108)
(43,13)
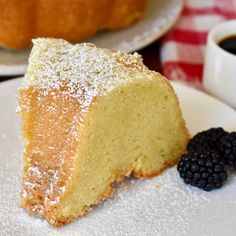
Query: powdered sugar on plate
(163,205)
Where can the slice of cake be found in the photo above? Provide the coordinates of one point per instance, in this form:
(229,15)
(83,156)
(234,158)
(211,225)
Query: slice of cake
(92,116)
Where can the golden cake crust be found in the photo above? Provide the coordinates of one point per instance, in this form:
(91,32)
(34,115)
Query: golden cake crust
(73,20)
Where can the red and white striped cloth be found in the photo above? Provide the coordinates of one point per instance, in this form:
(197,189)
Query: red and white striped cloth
(182,51)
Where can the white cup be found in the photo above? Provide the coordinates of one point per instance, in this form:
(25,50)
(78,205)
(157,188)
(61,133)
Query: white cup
(219,77)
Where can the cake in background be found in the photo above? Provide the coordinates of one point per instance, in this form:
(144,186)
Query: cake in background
(92,116)
(73,20)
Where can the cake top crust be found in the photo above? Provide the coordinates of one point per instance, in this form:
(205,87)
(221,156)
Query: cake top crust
(84,69)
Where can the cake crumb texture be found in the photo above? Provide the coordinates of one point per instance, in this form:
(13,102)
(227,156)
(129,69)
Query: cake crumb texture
(91,117)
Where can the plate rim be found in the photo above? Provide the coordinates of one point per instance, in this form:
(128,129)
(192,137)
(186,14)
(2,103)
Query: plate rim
(161,31)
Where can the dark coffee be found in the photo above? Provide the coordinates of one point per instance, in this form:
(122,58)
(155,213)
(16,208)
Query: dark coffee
(229,44)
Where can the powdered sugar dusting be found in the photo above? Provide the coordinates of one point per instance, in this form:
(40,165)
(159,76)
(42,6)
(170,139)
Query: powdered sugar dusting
(85,70)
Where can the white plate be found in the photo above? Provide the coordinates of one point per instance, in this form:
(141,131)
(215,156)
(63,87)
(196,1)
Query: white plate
(159,18)
(163,205)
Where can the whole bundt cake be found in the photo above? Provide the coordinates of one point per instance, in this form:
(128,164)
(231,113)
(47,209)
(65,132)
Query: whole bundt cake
(92,116)
(72,20)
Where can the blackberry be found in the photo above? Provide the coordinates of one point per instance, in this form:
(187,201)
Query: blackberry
(206,140)
(227,148)
(203,169)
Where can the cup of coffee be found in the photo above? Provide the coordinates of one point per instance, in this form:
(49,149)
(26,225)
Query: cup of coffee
(219,76)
